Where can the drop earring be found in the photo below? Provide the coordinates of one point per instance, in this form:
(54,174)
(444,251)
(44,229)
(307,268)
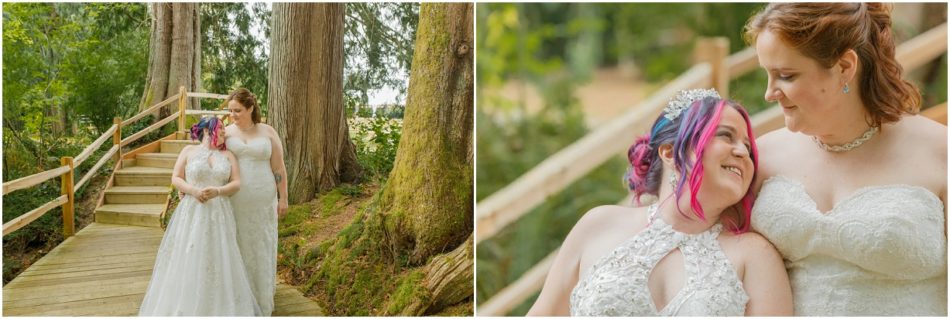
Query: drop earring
(673,180)
(846,89)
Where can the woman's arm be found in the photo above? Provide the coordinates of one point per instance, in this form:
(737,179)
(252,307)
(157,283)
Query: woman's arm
(554,299)
(279,169)
(178,174)
(765,279)
(234,185)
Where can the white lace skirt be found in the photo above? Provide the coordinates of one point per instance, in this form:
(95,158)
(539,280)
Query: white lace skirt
(199,270)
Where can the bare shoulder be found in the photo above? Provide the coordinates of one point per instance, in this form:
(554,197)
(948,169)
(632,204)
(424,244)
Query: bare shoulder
(774,138)
(750,245)
(776,145)
(269,130)
(602,219)
(187,149)
(230,155)
(924,130)
(774,150)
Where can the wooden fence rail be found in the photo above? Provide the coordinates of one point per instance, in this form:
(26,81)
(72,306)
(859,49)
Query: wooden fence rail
(150,110)
(66,172)
(576,160)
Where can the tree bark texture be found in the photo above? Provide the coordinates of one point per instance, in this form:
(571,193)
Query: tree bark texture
(174,54)
(447,281)
(428,198)
(305,97)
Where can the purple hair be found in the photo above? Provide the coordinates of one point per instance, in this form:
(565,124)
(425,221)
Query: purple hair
(689,134)
(211,124)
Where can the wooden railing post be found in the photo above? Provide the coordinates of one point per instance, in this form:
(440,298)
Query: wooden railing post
(715,51)
(181,109)
(117,138)
(69,227)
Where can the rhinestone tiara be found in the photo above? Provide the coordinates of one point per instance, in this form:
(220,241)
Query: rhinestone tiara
(684,99)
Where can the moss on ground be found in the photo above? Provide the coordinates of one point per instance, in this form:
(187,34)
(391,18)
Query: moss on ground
(410,288)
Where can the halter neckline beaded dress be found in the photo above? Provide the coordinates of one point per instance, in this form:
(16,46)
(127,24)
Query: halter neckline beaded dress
(617,284)
(198,269)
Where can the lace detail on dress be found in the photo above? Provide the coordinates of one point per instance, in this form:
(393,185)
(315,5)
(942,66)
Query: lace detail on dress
(198,269)
(881,251)
(617,284)
(255,209)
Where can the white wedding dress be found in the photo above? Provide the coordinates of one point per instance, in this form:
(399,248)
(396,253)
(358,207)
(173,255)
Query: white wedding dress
(198,270)
(880,252)
(255,209)
(617,284)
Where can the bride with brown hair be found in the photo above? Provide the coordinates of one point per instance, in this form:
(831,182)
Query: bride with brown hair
(263,198)
(853,190)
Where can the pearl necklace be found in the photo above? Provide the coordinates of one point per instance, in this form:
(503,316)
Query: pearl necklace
(849,146)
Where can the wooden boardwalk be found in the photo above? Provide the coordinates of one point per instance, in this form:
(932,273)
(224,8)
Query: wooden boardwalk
(104,270)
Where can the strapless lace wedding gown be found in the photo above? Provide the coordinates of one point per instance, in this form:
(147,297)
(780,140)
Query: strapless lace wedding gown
(881,251)
(617,284)
(198,269)
(255,209)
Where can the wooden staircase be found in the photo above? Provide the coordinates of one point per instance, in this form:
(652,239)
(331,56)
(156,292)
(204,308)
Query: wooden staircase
(105,268)
(139,192)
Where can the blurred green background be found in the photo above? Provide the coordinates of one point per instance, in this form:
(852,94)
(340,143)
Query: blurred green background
(549,73)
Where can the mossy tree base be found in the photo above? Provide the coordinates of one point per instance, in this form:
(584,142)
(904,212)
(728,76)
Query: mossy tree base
(443,282)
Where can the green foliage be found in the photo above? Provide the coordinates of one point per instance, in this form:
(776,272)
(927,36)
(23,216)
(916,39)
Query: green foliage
(232,56)
(117,50)
(376,139)
(378,44)
(68,69)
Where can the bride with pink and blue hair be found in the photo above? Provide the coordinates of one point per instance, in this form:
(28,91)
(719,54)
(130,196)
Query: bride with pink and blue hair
(689,252)
(198,269)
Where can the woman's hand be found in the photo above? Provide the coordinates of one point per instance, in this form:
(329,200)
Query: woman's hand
(282,208)
(208,193)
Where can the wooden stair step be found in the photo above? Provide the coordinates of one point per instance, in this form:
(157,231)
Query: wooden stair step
(137,194)
(175,146)
(131,214)
(143,176)
(166,160)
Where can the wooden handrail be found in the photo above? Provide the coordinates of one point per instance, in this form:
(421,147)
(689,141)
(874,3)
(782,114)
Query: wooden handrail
(937,113)
(92,171)
(95,145)
(207,95)
(742,62)
(149,110)
(66,171)
(910,54)
(514,294)
(206,112)
(30,181)
(577,159)
(149,129)
(922,49)
(32,215)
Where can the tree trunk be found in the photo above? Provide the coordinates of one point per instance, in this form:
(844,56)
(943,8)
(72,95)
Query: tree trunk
(447,280)
(174,55)
(305,97)
(425,209)
(428,199)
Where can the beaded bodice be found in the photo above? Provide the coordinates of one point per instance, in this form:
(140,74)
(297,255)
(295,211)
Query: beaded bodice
(207,168)
(617,284)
